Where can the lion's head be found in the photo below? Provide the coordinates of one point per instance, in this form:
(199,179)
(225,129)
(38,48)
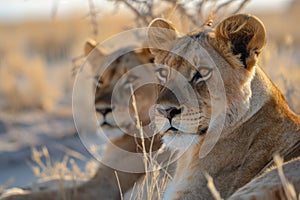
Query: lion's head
(207,59)
(120,76)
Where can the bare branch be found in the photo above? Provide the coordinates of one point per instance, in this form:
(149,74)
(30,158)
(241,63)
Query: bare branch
(230,2)
(223,5)
(241,6)
(183,11)
(93,16)
(142,9)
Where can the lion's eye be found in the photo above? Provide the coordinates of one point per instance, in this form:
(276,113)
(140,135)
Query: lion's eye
(202,74)
(162,74)
(205,72)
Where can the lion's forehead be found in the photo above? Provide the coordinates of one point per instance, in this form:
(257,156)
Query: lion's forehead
(120,66)
(119,71)
(188,54)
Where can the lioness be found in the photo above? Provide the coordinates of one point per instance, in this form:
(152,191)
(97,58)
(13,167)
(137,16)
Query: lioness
(258,121)
(145,97)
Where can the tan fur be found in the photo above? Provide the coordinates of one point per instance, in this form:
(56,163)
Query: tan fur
(258,121)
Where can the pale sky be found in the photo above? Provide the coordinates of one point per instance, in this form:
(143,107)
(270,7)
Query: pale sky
(19,10)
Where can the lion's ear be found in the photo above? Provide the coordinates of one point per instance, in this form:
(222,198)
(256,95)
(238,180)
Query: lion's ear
(246,35)
(89,46)
(94,52)
(161,35)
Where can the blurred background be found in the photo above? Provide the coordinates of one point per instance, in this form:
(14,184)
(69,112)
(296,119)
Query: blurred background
(41,41)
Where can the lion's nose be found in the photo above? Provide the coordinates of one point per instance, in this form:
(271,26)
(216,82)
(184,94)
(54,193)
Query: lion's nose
(103,111)
(169,111)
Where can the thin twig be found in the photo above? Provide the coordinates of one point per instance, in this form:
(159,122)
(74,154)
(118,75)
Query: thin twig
(223,5)
(211,187)
(119,185)
(138,13)
(241,6)
(183,11)
(288,188)
(140,128)
(93,16)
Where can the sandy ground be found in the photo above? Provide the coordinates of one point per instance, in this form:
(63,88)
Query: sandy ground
(22,131)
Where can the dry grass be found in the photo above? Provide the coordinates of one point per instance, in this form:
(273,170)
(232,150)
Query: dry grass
(211,186)
(5,185)
(35,60)
(155,180)
(289,189)
(281,63)
(45,169)
(23,83)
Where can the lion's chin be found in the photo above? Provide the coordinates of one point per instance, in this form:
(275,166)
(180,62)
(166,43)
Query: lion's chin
(110,131)
(106,124)
(176,140)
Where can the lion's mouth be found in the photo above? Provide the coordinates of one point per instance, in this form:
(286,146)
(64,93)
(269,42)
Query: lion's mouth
(173,130)
(169,131)
(106,124)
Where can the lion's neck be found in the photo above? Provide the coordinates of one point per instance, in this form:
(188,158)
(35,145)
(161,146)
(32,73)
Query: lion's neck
(243,152)
(262,91)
